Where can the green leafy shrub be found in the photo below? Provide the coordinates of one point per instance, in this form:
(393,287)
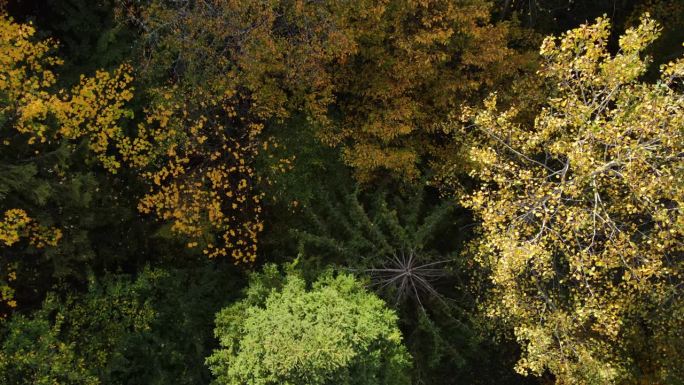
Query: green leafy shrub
(333,333)
(153,329)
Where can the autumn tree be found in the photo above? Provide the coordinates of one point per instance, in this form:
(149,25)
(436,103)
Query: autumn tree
(582,226)
(373,76)
(414,63)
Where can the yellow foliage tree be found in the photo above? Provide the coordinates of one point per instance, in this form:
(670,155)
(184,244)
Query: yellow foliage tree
(193,148)
(414,63)
(92,109)
(582,222)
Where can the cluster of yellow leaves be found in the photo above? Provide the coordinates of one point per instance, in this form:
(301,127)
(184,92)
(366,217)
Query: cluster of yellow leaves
(668,13)
(199,173)
(92,109)
(24,75)
(14,226)
(582,220)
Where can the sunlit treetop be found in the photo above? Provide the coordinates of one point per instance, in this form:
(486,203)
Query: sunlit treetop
(333,333)
(582,225)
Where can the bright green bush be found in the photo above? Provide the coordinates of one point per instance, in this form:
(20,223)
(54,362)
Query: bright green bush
(333,333)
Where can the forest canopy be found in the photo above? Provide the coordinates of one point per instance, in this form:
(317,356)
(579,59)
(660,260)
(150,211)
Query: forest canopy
(341,192)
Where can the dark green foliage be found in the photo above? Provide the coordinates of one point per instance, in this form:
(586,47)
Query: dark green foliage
(333,333)
(89,332)
(314,170)
(154,329)
(370,230)
(312,167)
(32,352)
(95,213)
(408,244)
